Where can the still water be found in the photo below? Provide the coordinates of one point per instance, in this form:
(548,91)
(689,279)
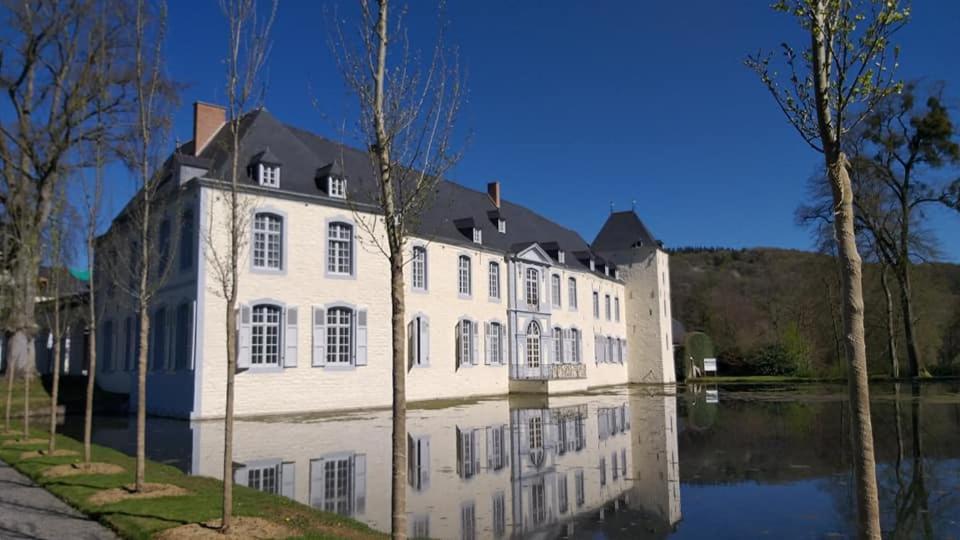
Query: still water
(700,462)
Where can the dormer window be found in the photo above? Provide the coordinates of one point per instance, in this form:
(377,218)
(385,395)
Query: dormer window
(268,175)
(477,236)
(502,226)
(593,265)
(337,187)
(561,257)
(606,269)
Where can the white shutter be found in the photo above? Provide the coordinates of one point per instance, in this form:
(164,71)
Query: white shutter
(243,337)
(411,344)
(425,462)
(290,339)
(475,342)
(424,341)
(240,475)
(360,483)
(319,337)
(503,344)
(456,344)
(360,351)
(288,476)
(486,339)
(316,483)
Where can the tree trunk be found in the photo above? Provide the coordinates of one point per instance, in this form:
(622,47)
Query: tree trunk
(399,486)
(868,510)
(91,351)
(55,368)
(231,320)
(11,377)
(909,330)
(891,327)
(142,394)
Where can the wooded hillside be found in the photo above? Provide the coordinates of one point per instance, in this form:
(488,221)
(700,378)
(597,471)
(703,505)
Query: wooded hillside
(777,311)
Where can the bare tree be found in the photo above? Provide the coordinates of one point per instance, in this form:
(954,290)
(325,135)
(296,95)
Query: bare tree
(47,72)
(407,115)
(59,232)
(832,84)
(143,273)
(248,49)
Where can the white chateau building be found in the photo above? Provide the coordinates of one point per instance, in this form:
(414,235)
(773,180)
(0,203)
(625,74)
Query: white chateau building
(498,298)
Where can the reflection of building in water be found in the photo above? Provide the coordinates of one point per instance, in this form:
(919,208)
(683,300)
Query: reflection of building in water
(489,470)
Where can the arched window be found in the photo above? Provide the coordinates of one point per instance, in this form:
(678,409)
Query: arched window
(535,428)
(572,292)
(339,335)
(558,345)
(555,289)
(267,241)
(419,268)
(533,344)
(463,275)
(340,248)
(265,335)
(533,287)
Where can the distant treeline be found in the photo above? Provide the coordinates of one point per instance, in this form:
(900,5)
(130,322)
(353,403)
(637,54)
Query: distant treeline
(776,311)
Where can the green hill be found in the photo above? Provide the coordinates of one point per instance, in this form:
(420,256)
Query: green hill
(777,311)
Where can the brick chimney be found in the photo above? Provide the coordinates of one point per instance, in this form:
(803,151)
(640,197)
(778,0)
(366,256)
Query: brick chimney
(207,120)
(493,190)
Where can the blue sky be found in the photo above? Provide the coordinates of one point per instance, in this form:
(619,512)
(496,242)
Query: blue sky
(574,105)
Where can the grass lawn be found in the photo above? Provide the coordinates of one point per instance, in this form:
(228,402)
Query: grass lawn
(141,519)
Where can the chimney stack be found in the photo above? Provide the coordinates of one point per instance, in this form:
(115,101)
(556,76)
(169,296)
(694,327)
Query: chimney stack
(207,120)
(493,190)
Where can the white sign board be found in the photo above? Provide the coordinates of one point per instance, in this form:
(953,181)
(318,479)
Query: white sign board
(710,364)
(713,396)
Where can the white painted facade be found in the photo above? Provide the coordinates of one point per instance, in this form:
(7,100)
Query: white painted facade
(617,330)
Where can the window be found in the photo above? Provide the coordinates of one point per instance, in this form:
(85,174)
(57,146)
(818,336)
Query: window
(420,268)
(495,343)
(465,347)
(418,462)
(264,479)
(181,359)
(499,514)
(339,336)
(533,344)
(538,503)
(107,337)
(186,240)
(557,345)
(575,345)
(614,466)
(463,267)
(337,187)
(533,287)
(163,245)
(562,502)
(579,488)
(158,347)
(265,336)
(267,241)
(606,304)
(496,447)
(340,248)
(616,308)
(603,471)
(596,305)
(623,462)
(555,289)
(495,280)
(269,175)
(572,293)
(535,440)
(420,527)
(468,521)
(477,236)
(338,484)
(468,452)
(502,226)
(418,341)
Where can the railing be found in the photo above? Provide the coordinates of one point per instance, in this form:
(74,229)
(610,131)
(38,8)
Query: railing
(548,371)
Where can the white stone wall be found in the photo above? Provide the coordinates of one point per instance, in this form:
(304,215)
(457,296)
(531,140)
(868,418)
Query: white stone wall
(649,322)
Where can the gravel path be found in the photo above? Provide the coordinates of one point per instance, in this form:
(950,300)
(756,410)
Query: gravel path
(27,511)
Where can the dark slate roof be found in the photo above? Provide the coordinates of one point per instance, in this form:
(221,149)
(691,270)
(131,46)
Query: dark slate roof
(267,157)
(304,154)
(622,231)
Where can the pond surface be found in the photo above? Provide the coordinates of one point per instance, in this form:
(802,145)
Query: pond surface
(701,462)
